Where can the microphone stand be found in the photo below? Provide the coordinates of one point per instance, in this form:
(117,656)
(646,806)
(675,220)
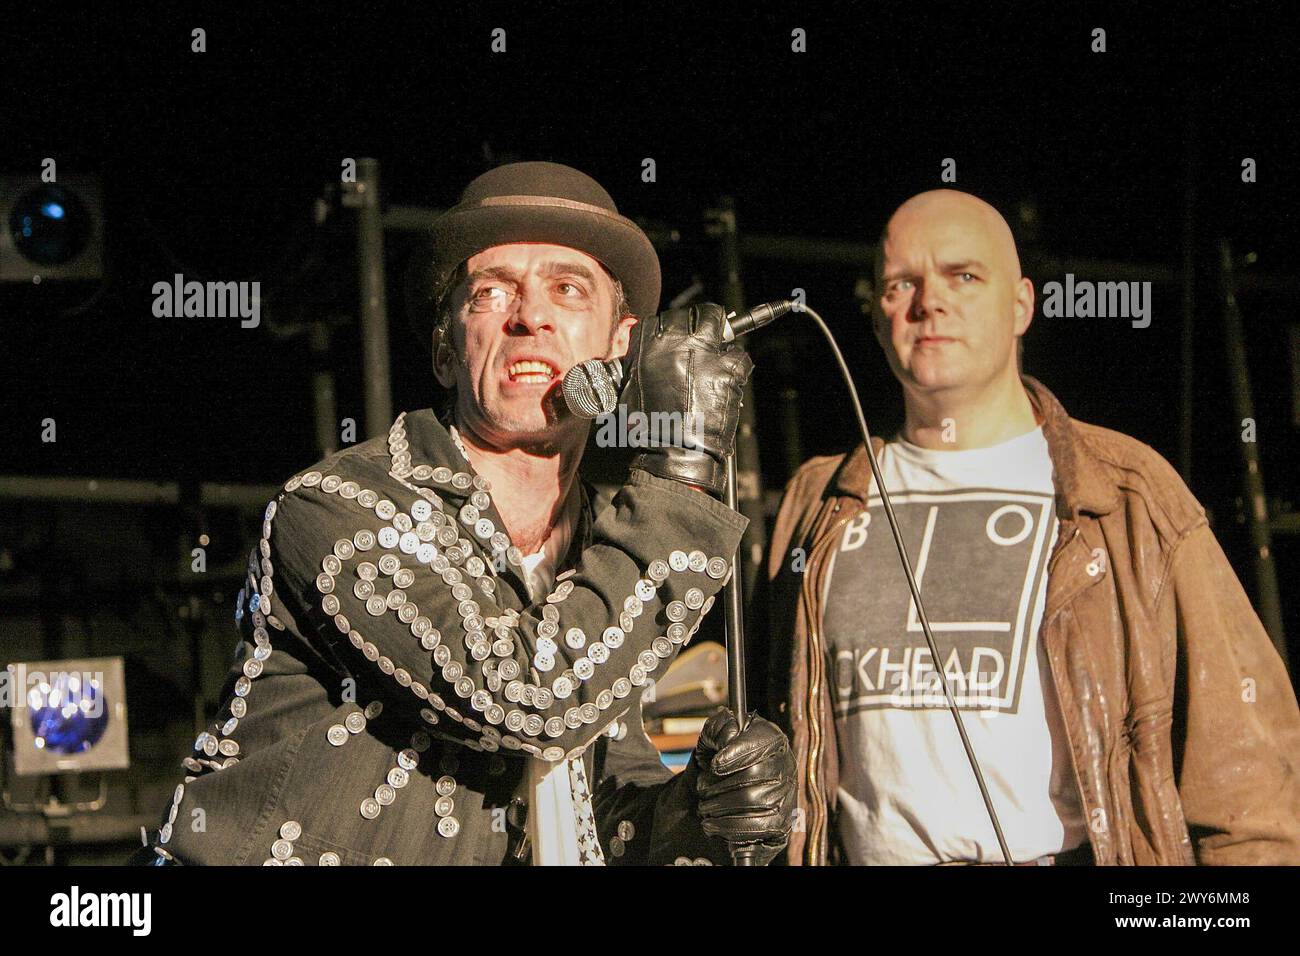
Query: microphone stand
(588,406)
(742,854)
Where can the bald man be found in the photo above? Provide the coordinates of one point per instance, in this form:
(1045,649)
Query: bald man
(1117,688)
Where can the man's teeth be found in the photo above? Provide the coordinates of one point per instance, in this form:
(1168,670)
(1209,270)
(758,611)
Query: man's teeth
(531,371)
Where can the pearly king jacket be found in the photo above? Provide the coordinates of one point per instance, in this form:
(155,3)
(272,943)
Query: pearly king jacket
(393,676)
(1182,724)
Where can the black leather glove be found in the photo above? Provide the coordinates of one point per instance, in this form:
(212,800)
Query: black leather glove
(745,786)
(681,365)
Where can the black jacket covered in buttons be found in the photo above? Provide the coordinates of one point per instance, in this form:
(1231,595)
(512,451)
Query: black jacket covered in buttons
(393,676)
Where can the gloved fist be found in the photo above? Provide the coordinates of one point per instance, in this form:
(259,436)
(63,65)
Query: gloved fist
(745,788)
(681,365)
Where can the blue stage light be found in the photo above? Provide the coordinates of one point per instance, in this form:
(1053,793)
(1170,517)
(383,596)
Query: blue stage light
(68,714)
(50,225)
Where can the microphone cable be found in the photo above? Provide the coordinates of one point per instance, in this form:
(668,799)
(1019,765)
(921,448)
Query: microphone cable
(911,578)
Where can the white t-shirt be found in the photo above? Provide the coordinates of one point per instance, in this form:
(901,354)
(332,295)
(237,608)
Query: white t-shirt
(979,525)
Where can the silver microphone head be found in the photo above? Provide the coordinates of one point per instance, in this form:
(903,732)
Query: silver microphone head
(591,387)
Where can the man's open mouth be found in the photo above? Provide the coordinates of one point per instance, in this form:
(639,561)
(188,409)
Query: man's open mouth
(532,372)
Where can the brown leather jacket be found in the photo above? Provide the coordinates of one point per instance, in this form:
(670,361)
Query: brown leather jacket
(1181,719)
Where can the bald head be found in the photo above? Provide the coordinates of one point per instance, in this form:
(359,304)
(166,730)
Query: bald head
(953,302)
(952,211)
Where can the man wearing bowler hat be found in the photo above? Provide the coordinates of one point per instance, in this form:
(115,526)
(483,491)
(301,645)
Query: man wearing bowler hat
(445,634)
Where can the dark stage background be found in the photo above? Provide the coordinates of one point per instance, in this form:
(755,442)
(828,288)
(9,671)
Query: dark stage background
(224,165)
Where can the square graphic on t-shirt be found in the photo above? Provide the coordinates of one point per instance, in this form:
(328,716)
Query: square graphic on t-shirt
(979,557)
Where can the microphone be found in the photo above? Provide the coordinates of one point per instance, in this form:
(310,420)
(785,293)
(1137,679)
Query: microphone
(591,388)
(734,326)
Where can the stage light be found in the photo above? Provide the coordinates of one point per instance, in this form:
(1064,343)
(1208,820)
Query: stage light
(50,225)
(68,716)
(51,230)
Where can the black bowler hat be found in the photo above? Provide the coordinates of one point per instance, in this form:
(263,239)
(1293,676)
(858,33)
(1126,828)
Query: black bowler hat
(532,202)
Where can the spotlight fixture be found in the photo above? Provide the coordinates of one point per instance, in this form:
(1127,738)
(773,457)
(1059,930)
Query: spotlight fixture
(51,230)
(67,716)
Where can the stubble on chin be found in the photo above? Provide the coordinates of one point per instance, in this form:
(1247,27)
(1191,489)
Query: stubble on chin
(539,431)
